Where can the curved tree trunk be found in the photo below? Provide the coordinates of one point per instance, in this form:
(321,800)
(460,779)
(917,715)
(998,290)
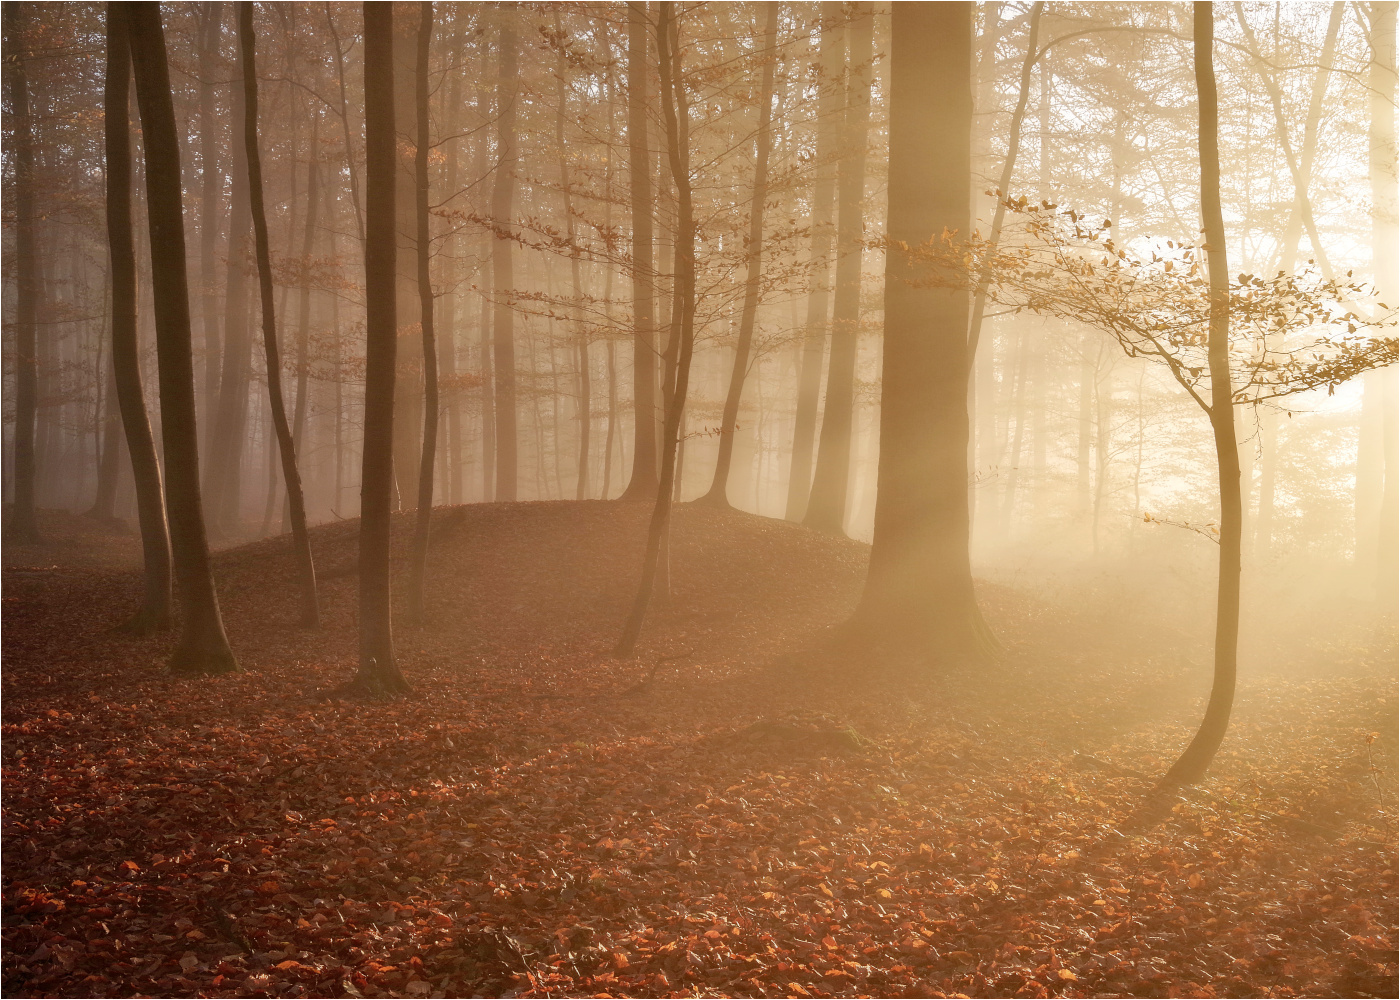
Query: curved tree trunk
(826,507)
(1192,765)
(202,647)
(719,489)
(644,476)
(23,529)
(919,594)
(502,260)
(419,565)
(126,357)
(677,113)
(291,477)
(378,673)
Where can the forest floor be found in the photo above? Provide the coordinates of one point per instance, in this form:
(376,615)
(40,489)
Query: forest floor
(756,821)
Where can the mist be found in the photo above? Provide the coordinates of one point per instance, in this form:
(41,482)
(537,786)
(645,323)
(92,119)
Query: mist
(676,499)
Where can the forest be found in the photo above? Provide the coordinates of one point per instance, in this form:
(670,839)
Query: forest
(700,498)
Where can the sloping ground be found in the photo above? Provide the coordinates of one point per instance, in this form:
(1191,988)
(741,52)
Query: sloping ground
(760,820)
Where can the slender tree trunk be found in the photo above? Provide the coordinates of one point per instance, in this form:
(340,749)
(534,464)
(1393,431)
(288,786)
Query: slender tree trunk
(126,356)
(223,476)
(919,592)
(1192,765)
(422,524)
(718,494)
(291,477)
(379,672)
(502,260)
(308,244)
(211,185)
(676,110)
(830,57)
(826,508)
(202,647)
(644,476)
(23,528)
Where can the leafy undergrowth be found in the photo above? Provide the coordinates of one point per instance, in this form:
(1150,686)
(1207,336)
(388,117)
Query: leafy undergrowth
(755,821)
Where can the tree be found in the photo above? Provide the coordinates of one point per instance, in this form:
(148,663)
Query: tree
(919,593)
(642,485)
(154,613)
(831,54)
(676,109)
(202,647)
(763,147)
(291,476)
(1191,766)
(502,199)
(826,506)
(379,672)
(1385,248)
(422,522)
(23,528)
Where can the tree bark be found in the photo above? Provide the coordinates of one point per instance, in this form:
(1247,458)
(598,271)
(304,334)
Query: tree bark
(718,494)
(1385,243)
(211,184)
(155,608)
(291,477)
(1192,765)
(202,647)
(676,110)
(502,261)
(422,524)
(643,483)
(919,595)
(830,56)
(378,673)
(23,528)
(826,507)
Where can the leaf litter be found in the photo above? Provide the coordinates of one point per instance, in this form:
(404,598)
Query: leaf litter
(753,822)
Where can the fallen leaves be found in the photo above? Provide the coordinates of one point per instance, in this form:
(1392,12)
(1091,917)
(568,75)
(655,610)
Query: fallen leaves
(246,835)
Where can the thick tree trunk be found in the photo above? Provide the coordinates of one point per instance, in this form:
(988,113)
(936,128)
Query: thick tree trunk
(644,476)
(831,55)
(23,529)
(378,673)
(408,391)
(126,356)
(826,508)
(919,592)
(676,110)
(718,493)
(1192,765)
(422,524)
(502,262)
(202,647)
(291,477)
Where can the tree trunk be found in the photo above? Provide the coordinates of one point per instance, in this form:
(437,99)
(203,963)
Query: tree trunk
(419,565)
(1192,765)
(223,477)
(718,494)
(502,261)
(109,430)
(211,185)
(23,529)
(1385,243)
(126,356)
(308,244)
(830,57)
(826,508)
(378,673)
(644,477)
(202,647)
(291,477)
(919,592)
(676,110)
